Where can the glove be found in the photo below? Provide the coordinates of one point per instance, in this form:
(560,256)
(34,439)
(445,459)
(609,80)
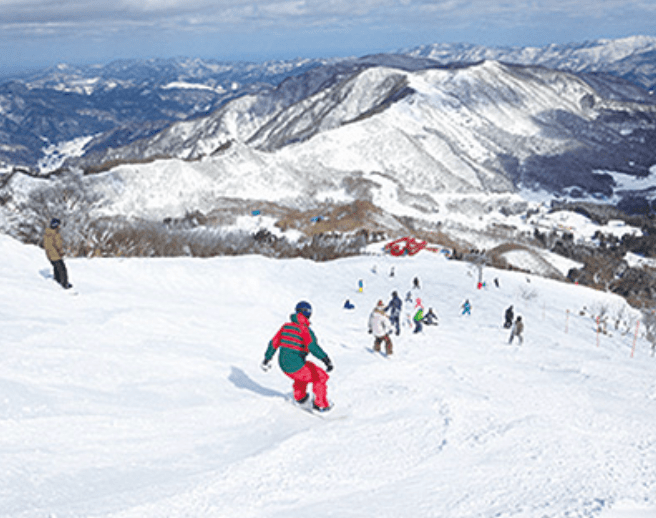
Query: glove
(266,365)
(329,364)
(370,331)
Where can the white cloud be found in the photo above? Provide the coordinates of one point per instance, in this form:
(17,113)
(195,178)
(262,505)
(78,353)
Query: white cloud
(100,30)
(29,13)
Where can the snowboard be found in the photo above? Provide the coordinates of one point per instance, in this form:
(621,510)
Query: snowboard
(70,291)
(307,407)
(382,354)
(47,275)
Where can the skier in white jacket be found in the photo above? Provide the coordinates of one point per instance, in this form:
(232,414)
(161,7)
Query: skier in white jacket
(381,327)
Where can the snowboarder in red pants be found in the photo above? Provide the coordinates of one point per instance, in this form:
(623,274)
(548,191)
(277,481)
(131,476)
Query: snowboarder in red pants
(295,340)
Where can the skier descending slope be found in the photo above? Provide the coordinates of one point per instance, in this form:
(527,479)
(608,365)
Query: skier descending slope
(295,340)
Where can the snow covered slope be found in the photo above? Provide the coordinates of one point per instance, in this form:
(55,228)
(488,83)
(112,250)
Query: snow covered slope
(142,396)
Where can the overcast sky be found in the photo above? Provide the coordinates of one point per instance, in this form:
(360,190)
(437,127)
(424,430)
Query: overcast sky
(36,33)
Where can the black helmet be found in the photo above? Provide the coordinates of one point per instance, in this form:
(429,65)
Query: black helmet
(54,223)
(304,309)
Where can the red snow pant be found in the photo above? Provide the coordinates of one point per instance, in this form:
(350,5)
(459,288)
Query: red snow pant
(310,373)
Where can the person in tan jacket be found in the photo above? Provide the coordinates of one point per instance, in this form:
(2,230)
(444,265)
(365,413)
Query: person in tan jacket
(517,331)
(54,246)
(381,327)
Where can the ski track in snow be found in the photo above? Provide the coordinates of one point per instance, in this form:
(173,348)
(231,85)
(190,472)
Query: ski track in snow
(142,397)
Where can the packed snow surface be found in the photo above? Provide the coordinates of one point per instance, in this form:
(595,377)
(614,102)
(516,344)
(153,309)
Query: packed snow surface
(142,396)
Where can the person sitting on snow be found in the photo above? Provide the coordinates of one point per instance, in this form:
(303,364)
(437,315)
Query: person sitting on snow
(296,340)
(430,319)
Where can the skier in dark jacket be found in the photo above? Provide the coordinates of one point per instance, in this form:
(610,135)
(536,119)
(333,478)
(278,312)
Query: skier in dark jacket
(394,308)
(509,318)
(295,340)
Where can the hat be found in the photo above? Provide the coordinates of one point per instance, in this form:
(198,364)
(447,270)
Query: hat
(380,303)
(54,223)
(304,308)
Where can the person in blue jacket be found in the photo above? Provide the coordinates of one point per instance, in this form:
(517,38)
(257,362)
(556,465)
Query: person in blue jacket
(394,308)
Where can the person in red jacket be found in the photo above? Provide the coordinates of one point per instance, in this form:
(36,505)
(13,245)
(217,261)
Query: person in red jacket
(296,340)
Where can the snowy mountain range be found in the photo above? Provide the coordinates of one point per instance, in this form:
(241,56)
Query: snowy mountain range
(129,99)
(631,58)
(415,137)
(123,100)
(482,128)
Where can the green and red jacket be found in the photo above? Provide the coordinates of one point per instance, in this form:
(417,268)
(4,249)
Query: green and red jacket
(295,340)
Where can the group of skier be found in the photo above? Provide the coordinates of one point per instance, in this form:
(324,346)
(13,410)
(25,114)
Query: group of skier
(385,319)
(295,340)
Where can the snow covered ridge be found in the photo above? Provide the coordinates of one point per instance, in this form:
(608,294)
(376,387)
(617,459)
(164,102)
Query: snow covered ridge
(143,397)
(102,92)
(627,57)
(484,128)
(122,99)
